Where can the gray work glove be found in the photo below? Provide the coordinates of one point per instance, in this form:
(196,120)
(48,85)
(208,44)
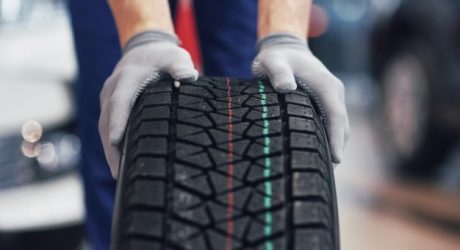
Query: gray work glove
(283,57)
(145,57)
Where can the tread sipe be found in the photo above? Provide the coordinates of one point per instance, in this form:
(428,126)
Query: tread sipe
(225,164)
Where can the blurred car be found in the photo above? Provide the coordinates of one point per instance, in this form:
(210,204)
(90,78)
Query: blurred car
(41,198)
(415,56)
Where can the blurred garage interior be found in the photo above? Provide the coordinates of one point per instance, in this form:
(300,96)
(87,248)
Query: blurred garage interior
(399,184)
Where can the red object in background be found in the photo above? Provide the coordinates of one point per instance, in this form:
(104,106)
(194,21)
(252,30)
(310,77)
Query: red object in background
(187,31)
(319,21)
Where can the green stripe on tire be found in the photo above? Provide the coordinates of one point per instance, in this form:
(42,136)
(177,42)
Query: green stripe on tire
(267,163)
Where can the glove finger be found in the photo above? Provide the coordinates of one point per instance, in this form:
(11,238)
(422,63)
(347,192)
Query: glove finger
(281,75)
(181,67)
(111,152)
(331,93)
(108,88)
(130,86)
(337,133)
(337,124)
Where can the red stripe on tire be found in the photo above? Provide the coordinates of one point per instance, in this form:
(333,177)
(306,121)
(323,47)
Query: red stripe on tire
(231,195)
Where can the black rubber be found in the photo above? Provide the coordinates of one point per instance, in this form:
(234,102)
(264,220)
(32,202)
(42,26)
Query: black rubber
(174,187)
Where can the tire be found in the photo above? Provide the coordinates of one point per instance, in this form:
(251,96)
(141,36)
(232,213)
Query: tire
(414,139)
(225,164)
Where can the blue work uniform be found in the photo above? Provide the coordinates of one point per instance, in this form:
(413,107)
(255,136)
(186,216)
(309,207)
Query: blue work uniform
(227,33)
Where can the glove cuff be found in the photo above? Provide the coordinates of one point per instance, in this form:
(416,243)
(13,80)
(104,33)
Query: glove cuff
(148,37)
(278,38)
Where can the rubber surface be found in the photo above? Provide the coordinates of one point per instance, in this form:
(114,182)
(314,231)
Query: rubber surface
(225,164)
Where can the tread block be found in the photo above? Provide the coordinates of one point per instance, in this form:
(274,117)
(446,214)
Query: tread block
(255,150)
(240,147)
(238,112)
(151,146)
(305,141)
(220,119)
(218,240)
(197,215)
(306,160)
(256,129)
(315,239)
(240,169)
(157,112)
(278,224)
(221,104)
(183,113)
(142,245)
(278,243)
(298,99)
(241,225)
(274,127)
(157,99)
(253,89)
(146,223)
(200,121)
(241,196)
(255,203)
(276,145)
(159,87)
(197,242)
(146,192)
(298,110)
(154,128)
(305,185)
(256,231)
(276,163)
(184,130)
(256,173)
(185,200)
(302,124)
(219,157)
(254,101)
(185,149)
(256,113)
(186,100)
(220,90)
(196,91)
(218,135)
(310,212)
(182,231)
(195,103)
(149,167)
(185,172)
(202,138)
(217,180)
(199,159)
(218,212)
(199,184)
(239,128)
(278,195)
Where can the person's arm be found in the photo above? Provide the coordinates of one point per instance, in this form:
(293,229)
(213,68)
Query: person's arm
(136,16)
(292,16)
(285,58)
(150,50)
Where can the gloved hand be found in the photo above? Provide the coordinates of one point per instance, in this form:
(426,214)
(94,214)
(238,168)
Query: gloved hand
(145,57)
(283,57)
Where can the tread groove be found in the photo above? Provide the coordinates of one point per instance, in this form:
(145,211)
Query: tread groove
(170,167)
(287,169)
